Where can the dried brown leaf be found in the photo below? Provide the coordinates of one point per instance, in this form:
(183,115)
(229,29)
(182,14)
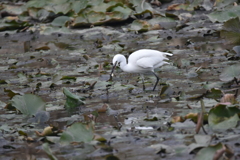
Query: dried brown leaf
(229,98)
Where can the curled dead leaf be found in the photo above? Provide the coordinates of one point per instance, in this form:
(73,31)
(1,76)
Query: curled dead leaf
(229,98)
(11,18)
(29,139)
(104,108)
(156,2)
(173,7)
(46,132)
(178,119)
(192,116)
(90,117)
(86,57)
(76,143)
(99,138)
(42,48)
(156,27)
(22,133)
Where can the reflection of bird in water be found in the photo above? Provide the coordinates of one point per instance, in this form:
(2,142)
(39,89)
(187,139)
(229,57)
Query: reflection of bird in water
(141,61)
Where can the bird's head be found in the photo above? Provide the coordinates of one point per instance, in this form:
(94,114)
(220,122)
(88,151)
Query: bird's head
(117,60)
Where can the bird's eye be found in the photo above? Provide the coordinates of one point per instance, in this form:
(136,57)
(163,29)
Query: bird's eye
(118,63)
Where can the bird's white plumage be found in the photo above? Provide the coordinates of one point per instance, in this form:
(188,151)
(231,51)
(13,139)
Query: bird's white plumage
(142,61)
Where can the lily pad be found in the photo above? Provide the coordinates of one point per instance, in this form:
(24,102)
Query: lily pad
(78,6)
(50,30)
(124,10)
(12,22)
(103,7)
(95,18)
(219,4)
(72,100)
(223,117)
(208,153)
(231,30)
(68,78)
(62,6)
(230,72)
(223,16)
(48,150)
(142,8)
(214,93)
(36,4)
(80,21)
(28,104)
(40,117)
(164,22)
(12,93)
(140,25)
(78,132)
(61,21)
(237,50)
(203,139)
(40,14)
(16,10)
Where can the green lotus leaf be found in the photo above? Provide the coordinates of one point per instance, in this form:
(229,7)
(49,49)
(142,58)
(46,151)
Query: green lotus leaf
(103,7)
(140,25)
(78,132)
(230,72)
(81,20)
(28,104)
(61,7)
(78,6)
(60,21)
(126,12)
(214,93)
(207,153)
(36,3)
(48,150)
(225,15)
(231,31)
(142,8)
(72,100)
(96,18)
(223,117)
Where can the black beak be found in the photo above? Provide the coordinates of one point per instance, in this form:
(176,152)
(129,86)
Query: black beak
(114,66)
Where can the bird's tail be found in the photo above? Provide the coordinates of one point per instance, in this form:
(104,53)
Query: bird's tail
(167,54)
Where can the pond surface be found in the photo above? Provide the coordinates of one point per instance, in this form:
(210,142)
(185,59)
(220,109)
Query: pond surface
(137,123)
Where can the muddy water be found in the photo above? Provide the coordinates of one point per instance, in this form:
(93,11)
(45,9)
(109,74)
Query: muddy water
(31,59)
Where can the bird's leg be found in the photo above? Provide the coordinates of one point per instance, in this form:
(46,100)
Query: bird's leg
(156,81)
(142,77)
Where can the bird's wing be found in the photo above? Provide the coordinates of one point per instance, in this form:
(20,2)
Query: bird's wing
(151,62)
(147,58)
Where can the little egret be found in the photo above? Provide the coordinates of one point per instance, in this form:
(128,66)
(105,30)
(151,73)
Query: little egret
(141,61)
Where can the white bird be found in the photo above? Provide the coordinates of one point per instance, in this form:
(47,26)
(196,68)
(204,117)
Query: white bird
(141,61)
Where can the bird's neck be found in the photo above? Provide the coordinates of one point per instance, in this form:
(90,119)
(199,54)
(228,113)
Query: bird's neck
(127,67)
(123,65)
